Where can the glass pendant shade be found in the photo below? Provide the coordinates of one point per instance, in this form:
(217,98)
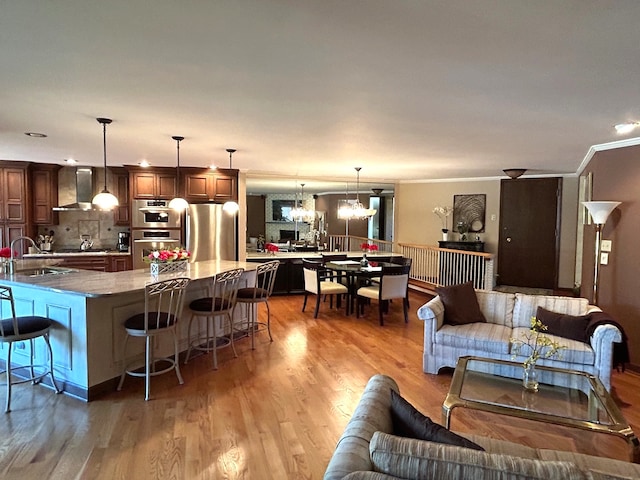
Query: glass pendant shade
(600,211)
(105,200)
(178,204)
(231,207)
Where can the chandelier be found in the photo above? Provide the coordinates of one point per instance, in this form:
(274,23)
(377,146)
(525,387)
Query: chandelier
(299,213)
(355,210)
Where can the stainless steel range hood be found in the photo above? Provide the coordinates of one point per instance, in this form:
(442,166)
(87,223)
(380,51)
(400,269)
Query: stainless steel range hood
(84,191)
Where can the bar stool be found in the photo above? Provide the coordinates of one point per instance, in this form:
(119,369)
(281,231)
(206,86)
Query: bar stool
(19,329)
(162,309)
(259,293)
(220,302)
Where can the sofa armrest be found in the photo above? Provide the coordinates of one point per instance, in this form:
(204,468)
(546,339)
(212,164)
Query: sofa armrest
(602,340)
(372,414)
(432,314)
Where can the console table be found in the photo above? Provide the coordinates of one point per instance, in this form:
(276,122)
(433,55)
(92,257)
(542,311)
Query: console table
(468,246)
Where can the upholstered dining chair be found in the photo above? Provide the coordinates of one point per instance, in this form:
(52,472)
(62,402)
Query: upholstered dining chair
(394,283)
(258,293)
(162,309)
(220,302)
(318,281)
(20,329)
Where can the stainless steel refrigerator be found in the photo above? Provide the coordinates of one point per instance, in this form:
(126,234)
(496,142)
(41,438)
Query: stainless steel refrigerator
(211,233)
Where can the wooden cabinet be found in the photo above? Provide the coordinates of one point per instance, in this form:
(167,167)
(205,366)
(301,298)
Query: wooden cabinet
(98,263)
(150,183)
(44,193)
(120,188)
(14,211)
(120,263)
(206,185)
(290,276)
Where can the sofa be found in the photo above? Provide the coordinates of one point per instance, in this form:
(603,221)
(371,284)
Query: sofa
(369,450)
(508,315)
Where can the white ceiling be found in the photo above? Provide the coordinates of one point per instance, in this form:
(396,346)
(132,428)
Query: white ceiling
(408,90)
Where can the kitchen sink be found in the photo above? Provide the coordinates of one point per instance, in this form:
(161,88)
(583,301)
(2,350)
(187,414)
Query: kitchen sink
(43,271)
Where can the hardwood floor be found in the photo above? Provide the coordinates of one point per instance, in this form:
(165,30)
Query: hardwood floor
(275,412)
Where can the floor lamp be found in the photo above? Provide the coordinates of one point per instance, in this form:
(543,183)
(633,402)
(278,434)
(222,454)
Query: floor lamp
(599,211)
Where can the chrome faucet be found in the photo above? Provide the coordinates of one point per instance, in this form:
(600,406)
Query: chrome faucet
(11,266)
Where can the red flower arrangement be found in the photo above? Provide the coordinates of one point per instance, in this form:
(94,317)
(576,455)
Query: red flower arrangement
(369,247)
(166,256)
(271,248)
(6,252)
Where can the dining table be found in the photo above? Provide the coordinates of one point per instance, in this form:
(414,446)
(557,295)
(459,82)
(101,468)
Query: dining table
(356,275)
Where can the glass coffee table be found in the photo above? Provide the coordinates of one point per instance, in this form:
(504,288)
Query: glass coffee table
(564,397)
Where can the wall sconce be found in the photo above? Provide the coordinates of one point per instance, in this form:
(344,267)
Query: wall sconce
(599,211)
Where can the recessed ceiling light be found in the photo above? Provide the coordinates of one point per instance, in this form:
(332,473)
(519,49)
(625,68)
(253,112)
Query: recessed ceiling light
(212,167)
(70,161)
(35,134)
(144,164)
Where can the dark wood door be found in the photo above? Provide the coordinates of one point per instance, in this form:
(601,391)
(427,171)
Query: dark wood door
(529,232)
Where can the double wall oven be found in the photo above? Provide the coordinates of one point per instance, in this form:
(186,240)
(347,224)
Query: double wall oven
(153,226)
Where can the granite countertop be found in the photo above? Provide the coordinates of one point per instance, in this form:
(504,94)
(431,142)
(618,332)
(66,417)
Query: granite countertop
(353,254)
(95,284)
(93,253)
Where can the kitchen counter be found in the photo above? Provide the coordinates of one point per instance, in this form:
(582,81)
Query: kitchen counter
(266,256)
(88,310)
(75,254)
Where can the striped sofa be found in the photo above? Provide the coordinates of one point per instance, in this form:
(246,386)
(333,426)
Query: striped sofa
(367,450)
(508,315)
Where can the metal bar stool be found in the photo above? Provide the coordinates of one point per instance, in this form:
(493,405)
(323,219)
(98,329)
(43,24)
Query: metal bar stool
(19,329)
(259,293)
(223,291)
(162,309)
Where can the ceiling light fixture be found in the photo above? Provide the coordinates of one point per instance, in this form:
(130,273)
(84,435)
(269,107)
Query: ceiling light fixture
(623,128)
(35,135)
(144,164)
(105,200)
(299,213)
(514,173)
(356,210)
(70,161)
(178,203)
(231,207)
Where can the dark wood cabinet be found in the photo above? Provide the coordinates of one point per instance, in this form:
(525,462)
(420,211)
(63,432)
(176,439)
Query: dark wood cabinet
(120,263)
(120,188)
(14,202)
(150,183)
(206,185)
(289,278)
(467,246)
(44,193)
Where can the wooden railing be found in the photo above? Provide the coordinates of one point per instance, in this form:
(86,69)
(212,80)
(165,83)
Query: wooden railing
(432,266)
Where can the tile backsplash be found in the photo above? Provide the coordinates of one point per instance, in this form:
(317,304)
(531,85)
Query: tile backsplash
(99,225)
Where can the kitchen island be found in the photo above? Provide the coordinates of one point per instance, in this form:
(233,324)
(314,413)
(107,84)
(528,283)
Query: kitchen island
(88,309)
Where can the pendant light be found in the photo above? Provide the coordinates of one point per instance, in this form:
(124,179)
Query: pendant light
(105,200)
(231,207)
(357,210)
(178,203)
(299,213)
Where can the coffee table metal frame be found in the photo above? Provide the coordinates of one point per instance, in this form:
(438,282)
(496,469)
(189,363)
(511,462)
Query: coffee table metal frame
(618,425)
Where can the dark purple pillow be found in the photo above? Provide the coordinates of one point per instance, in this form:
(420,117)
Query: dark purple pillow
(460,304)
(563,325)
(409,422)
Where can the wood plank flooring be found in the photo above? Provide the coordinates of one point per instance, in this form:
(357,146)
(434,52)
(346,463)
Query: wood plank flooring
(274,412)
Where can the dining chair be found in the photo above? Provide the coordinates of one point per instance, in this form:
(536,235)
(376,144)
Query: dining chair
(162,310)
(20,329)
(220,302)
(265,277)
(319,281)
(394,283)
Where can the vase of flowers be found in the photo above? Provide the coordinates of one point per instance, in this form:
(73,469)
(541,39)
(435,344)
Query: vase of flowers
(271,248)
(538,346)
(168,260)
(443,213)
(368,247)
(5,255)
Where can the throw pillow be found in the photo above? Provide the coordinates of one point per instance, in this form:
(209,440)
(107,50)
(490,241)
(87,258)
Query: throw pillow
(563,325)
(460,304)
(409,422)
(420,460)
